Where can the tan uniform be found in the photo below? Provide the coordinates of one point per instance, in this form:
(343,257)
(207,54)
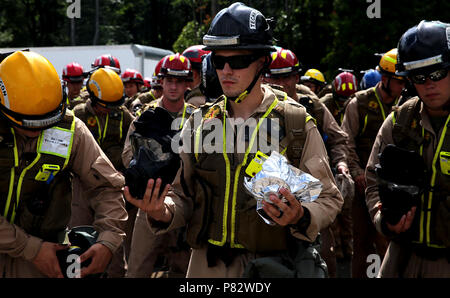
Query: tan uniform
(146,247)
(141,100)
(336,240)
(103,186)
(130,100)
(109,131)
(195,97)
(364,115)
(403,259)
(247,229)
(325,90)
(336,108)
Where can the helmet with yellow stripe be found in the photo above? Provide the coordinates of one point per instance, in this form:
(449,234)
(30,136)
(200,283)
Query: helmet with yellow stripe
(105,88)
(176,65)
(31,94)
(314,76)
(387,63)
(344,85)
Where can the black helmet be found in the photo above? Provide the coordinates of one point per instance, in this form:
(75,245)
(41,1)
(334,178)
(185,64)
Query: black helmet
(424,48)
(239,27)
(209,84)
(81,239)
(153,156)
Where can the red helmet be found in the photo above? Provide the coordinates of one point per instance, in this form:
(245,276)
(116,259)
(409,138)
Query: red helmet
(132,75)
(156,81)
(345,84)
(284,62)
(147,82)
(195,54)
(107,60)
(73,72)
(176,65)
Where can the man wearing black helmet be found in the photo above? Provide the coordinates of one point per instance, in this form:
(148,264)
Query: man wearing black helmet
(420,236)
(223,228)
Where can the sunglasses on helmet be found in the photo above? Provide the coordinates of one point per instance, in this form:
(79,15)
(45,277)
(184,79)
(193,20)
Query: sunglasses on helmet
(434,76)
(235,62)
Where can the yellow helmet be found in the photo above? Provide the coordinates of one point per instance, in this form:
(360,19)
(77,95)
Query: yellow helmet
(31,94)
(314,76)
(386,66)
(105,88)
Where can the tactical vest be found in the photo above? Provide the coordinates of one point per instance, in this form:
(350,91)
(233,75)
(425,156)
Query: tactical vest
(111,137)
(35,192)
(335,109)
(224,213)
(431,225)
(312,105)
(372,113)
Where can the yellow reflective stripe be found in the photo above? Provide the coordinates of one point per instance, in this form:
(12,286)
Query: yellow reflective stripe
(106,127)
(99,130)
(101,134)
(227,181)
(197,140)
(422,218)
(120,126)
(16,155)
(11,181)
(380,104)
(11,186)
(390,59)
(244,162)
(421,145)
(365,124)
(433,177)
(184,115)
(309,117)
(393,118)
(19,184)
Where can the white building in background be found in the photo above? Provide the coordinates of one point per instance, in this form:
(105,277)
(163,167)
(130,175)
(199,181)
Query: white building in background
(139,57)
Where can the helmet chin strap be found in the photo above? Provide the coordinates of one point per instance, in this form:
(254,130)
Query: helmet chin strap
(386,88)
(248,90)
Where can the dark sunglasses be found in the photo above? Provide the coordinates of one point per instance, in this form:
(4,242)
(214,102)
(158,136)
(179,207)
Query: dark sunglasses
(235,62)
(434,76)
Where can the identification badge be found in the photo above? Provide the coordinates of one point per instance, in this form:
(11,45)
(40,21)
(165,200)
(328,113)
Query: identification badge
(56,142)
(444,159)
(256,164)
(47,172)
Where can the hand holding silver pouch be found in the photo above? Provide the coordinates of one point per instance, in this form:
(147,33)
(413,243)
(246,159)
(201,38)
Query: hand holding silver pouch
(275,174)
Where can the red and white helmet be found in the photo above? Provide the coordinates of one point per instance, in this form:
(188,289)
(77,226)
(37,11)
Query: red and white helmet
(107,60)
(284,63)
(195,54)
(132,75)
(73,72)
(176,65)
(148,82)
(345,84)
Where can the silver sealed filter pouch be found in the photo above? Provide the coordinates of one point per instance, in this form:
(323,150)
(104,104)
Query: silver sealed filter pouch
(275,174)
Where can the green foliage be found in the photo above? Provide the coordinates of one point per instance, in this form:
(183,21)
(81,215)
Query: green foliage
(325,34)
(192,34)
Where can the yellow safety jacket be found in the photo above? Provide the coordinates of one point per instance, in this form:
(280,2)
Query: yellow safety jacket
(35,189)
